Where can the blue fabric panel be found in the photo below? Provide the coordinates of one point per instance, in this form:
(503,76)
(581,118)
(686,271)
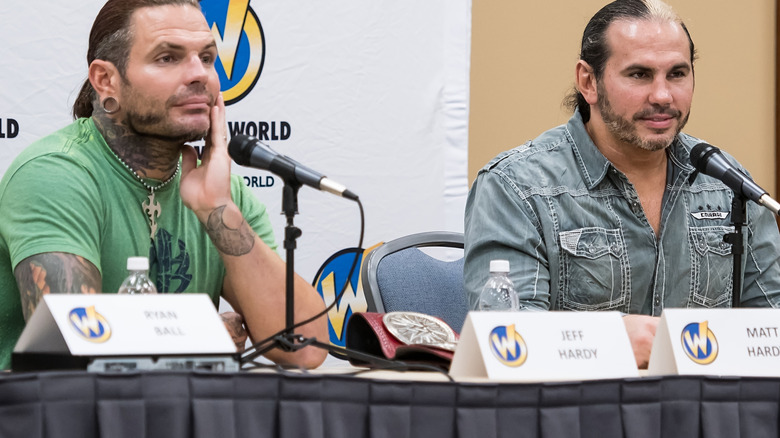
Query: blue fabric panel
(411,280)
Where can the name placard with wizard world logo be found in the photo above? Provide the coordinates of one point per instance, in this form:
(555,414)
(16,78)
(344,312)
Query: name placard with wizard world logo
(543,346)
(735,342)
(125,325)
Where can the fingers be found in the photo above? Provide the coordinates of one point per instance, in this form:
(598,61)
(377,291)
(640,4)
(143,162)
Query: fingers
(218,124)
(217,137)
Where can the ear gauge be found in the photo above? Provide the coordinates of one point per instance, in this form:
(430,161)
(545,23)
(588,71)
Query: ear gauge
(109,105)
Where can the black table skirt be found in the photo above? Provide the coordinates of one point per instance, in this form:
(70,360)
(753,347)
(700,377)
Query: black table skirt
(192,404)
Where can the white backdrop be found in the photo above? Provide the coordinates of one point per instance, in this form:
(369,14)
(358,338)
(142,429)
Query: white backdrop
(373,94)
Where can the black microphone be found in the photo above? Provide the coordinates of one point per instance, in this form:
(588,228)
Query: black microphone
(708,160)
(249,151)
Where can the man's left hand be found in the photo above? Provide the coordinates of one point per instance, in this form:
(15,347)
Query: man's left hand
(234,323)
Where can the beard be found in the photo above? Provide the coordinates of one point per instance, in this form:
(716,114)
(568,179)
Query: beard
(626,130)
(151,117)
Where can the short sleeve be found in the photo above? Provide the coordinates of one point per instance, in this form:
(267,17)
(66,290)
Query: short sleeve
(46,212)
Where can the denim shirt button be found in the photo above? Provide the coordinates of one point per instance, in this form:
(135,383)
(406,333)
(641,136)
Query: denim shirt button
(615,249)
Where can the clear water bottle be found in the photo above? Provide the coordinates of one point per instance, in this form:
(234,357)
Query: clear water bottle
(498,294)
(138,281)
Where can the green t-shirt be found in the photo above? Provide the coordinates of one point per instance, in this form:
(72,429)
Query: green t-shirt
(68,193)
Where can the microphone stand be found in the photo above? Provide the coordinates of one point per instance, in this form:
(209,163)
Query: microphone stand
(287,340)
(736,239)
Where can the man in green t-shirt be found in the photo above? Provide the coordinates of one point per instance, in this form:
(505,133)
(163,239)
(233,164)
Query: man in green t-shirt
(121,181)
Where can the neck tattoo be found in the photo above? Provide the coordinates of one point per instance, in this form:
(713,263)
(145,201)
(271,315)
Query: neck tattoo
(151,207)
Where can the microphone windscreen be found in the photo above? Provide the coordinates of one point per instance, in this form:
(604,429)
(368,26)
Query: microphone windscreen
(699,153)
(240,148)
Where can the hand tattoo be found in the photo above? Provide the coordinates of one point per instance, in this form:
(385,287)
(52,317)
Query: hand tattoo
(234,323)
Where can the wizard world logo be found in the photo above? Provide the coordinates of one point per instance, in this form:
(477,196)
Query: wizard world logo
(699,343)
(240,45)
(508,346)
(90,324)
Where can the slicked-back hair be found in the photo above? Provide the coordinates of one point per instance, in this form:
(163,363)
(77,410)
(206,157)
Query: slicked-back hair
(595,50)
(110,40)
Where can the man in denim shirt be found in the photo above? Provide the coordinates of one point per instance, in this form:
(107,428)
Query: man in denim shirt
(606,212)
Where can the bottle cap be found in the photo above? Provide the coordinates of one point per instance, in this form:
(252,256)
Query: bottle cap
(499,266)
(137,263)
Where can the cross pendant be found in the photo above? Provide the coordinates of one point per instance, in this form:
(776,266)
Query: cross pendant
(152,209)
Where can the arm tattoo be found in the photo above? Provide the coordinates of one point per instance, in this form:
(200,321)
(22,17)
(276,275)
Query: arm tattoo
(229,241)
(54,272)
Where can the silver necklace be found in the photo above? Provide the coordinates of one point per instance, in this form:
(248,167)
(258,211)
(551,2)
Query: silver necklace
(151,207)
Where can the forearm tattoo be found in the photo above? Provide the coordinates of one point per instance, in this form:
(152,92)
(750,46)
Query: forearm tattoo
(54,272)
(229,241)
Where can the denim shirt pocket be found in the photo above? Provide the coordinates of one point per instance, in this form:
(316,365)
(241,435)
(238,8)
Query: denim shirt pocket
(711,266)
(594,269)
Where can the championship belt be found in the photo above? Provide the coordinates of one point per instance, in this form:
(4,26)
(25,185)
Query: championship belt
(411,337)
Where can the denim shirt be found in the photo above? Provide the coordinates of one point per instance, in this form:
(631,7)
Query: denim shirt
(577,238)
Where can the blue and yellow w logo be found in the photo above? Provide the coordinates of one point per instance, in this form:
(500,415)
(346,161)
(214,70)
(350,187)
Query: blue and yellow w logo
(699,343)
(508,346)
(89,324)
(240,45)
(331,279)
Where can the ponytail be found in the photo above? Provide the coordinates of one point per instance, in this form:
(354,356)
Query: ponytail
(83,106)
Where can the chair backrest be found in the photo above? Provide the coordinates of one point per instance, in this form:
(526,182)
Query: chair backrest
(397,276)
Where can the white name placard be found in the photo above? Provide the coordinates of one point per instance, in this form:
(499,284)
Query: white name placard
(116,325)
(738,342)
(543,346)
